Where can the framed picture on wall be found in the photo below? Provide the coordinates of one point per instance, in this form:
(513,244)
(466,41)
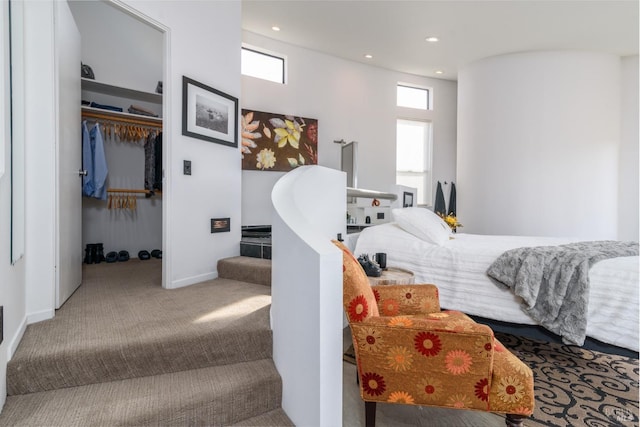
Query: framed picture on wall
(407,200)
(209,114)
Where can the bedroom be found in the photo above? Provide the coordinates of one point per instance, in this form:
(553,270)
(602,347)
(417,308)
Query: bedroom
(26,288)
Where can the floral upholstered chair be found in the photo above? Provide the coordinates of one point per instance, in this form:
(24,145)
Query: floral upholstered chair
(409,351)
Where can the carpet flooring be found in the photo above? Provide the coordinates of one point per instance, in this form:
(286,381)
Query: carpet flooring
(124,351)
(573,386)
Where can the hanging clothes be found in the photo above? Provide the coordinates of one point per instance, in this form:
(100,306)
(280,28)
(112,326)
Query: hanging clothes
(452,200)
(150,162)
(94,162)
(157,181)
(439,206)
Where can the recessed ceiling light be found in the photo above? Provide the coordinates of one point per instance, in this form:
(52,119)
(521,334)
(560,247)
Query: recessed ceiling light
(439,72)
(432,39)
(275,28)
(368,56)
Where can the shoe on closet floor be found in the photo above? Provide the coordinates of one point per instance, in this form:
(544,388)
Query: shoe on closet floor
(112,257)
(156,253)
(123,256)
(144,255)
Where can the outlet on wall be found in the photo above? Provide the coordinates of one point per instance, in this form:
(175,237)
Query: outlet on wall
(187,167)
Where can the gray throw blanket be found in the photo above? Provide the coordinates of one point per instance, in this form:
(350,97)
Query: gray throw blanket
(553,281)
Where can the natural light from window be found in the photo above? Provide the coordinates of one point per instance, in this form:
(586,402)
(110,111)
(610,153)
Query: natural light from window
(413,97)
(262,65)
(413,157)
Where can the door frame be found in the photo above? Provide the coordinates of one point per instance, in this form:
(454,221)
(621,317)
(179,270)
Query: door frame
(167,127)
(166,147)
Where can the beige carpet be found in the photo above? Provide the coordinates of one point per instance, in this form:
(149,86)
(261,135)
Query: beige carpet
(124,351)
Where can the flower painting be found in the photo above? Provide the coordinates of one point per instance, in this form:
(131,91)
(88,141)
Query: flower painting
(276,142)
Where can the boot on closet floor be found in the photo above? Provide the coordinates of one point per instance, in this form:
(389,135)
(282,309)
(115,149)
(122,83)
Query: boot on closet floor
(99,253)
(89,253)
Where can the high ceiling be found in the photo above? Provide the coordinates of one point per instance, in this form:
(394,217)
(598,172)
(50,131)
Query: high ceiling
(394,32)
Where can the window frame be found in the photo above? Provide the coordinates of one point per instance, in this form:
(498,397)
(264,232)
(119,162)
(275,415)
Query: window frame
(427,173)
(428,90)
(266,53)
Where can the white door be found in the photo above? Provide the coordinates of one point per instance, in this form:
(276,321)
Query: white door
(69,155)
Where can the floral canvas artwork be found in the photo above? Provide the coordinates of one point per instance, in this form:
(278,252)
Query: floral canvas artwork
(276,142)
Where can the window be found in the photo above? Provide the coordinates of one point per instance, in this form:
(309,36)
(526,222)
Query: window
(262,65)
(413,157)
(413,97)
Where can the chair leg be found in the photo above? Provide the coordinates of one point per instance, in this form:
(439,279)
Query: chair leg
(370,414)
(514,420)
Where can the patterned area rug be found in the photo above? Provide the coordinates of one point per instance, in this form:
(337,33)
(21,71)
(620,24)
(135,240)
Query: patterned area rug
(573,386)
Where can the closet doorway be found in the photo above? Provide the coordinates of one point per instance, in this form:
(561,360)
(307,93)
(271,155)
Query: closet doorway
(122,107)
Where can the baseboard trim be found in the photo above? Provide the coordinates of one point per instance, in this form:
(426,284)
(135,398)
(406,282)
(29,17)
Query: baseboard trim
(17,337)
(40,316)
(193,280)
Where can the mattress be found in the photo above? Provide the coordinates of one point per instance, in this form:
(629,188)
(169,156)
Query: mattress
(459,268)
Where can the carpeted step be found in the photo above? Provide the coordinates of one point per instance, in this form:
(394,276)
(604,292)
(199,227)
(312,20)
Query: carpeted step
(275,418)
(109,332)
(246,269)
(221,395)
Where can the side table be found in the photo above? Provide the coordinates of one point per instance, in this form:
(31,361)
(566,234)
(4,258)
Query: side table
(393,276)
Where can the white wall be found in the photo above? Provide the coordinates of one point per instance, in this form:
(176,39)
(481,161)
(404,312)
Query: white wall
(538,139)
(352,101)
(628,215)
(12,284)
(204,44)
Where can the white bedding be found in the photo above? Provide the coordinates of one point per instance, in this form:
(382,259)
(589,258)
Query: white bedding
(459,268)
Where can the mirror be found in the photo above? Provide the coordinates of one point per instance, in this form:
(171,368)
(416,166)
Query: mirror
(349,162)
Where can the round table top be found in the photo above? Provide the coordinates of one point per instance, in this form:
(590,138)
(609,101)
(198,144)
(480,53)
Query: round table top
(393,276)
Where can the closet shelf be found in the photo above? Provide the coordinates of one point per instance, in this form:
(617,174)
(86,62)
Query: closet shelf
(123,92)
(99,113)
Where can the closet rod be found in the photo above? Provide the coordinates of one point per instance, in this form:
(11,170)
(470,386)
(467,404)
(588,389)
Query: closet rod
(118,118)
(125,190)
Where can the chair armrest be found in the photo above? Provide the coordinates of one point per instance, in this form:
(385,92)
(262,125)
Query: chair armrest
(440,362)
(394,300)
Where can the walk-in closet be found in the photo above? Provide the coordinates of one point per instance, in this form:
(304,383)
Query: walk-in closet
(122,68)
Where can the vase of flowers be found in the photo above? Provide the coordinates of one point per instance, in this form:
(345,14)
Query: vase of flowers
(451,221)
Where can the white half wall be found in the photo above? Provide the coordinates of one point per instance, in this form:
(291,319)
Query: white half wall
(538,141)
(306,311)
(352,101)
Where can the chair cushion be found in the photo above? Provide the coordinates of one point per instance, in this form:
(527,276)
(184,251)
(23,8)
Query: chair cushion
(357,297)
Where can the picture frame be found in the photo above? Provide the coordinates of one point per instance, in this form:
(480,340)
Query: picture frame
(407,199)
(209,114)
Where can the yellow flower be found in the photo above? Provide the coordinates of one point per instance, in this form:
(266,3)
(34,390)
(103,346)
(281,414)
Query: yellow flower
(510,389)
(399,358)
(400,397)
(265,159)
(451,221)
(287,130)
(430,388)
(400,321)
(459,400)
(369,339)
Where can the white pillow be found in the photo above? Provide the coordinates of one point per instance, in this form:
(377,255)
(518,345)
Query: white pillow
(422,223)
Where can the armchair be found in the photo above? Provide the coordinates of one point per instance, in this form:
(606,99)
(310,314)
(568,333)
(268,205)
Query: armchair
(410,352)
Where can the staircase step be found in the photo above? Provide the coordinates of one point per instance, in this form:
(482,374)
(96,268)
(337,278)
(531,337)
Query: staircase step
(210,335)
(275,418)
(246,269)
(248,392)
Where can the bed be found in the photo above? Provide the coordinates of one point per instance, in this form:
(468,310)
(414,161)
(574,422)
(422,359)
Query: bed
(458,267)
